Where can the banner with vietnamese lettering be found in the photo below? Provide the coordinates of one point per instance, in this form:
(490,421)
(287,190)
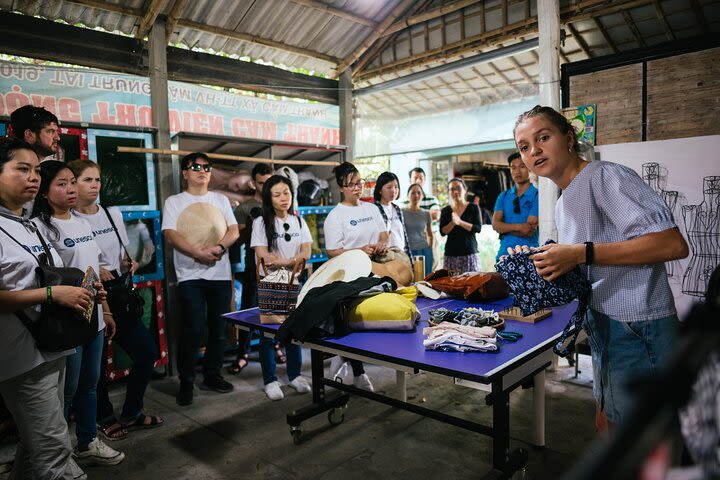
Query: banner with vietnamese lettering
(103,98)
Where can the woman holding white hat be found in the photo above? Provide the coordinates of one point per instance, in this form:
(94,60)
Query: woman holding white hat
(354,225)
(280,239)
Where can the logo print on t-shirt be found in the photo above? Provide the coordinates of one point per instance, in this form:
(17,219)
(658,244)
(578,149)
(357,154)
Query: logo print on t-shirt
(360,220)
(69,242)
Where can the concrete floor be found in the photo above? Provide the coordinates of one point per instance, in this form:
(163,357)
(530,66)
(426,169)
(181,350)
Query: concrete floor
(244,435)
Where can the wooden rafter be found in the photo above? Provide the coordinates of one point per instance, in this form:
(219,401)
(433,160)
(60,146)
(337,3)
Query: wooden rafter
(378,46)
(429,15)
(173,18)
(605,35)
(633,28)
(469,87)
(661,16)
(425,86)
(201,27)
(367,43)
(580,40)
(224,32)
(495,91)
(336,11)
(584,10)
(699,14)
(148,18)
(461,94)
(504,77)
(521,70)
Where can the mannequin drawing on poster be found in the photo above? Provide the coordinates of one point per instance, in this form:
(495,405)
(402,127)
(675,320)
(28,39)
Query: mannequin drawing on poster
(655,177)
(702,223)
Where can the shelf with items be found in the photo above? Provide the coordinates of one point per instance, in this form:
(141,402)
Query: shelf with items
(315,219)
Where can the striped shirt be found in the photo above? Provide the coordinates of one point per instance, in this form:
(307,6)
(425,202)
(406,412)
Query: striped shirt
(605,203)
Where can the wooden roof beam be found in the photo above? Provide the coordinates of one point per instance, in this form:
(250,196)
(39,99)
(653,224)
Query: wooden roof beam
(367,43)
(580,40)
(661,16)
(255,39)
(148,19)
(429,15)
(504,77)
(173,18)
(699,14)
(492,87)
(633,28)
(315,4)
(472,89)
(109,7)
(521,70)
(605,35)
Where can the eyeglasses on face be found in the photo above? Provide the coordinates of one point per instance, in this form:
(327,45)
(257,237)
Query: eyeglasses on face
(516,205)
(456,189)
(196,167)
(354,185)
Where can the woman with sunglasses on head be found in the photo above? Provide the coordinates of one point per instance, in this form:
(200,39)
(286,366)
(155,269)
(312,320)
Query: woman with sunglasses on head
(460,221)
(353,225)
(418,224)
(74,241)
(204,280)
(134,338)
(31,381)
(280,240)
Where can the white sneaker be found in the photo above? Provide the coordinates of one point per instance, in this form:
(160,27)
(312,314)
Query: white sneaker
(335,365)
(98,453)
(301,385)
(75,471)
(273,391)
(363,382)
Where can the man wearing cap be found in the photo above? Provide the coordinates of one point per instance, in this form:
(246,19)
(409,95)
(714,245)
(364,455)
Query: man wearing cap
(516,210)
(203,275)
(38,127)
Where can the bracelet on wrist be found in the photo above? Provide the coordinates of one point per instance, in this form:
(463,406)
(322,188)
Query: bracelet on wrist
(222,248)
(589,253)
(48,294)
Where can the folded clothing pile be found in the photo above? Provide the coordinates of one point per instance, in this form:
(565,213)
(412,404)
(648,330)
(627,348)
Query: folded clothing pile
(451,337)
(471,316)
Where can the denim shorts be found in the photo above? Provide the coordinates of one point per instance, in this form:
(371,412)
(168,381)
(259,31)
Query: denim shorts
(623,351)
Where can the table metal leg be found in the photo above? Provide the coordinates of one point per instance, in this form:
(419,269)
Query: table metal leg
(400,381)
(538,426)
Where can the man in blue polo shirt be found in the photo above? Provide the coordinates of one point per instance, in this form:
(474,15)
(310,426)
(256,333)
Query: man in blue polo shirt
(516,210)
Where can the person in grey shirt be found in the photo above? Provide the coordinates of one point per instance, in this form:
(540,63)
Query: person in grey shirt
(418,224)
(620,232)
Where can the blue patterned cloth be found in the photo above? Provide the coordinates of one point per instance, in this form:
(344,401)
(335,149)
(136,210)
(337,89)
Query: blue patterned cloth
(533,293)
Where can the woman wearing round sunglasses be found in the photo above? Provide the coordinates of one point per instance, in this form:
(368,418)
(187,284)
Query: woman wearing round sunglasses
(280,239)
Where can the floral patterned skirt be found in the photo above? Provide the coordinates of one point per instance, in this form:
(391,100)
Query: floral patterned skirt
(463,263)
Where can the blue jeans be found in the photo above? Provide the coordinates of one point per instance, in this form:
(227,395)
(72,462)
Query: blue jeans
(202,302)
(427,252)
(140,347)
(81,378)
(622,351)
(267,360)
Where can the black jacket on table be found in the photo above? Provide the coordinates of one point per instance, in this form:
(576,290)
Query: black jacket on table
(322,311)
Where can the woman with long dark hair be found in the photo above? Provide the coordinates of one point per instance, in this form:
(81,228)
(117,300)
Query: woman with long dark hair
(387,190)
(418,225)
(31,381)
(135,339)
(280,239)
(460,221)
(74,241)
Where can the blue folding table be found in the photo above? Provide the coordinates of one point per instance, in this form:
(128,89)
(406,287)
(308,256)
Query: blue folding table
(521,363)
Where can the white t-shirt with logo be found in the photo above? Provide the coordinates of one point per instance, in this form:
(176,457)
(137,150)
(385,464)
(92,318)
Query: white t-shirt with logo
(353,227)
(186,268)
(111,252)
(18,351)
(395,227)
(76,246)
(298,231)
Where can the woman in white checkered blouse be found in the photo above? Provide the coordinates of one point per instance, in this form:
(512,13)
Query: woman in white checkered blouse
(620,232)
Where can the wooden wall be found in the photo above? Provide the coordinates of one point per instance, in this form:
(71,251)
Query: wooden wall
(684,95)
(683,98)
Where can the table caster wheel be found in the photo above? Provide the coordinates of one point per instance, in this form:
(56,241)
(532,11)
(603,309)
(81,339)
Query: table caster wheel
(336,416)
(296,434)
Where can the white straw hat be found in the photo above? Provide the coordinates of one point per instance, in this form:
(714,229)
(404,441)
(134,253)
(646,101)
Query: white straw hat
(347,267)
(201,225)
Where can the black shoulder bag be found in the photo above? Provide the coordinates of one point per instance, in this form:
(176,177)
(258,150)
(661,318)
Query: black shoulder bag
(58,328)
(125,302)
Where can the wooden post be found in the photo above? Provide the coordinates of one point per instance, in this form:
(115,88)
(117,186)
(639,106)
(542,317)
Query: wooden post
(549,33)
(168,182)
(345,100)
